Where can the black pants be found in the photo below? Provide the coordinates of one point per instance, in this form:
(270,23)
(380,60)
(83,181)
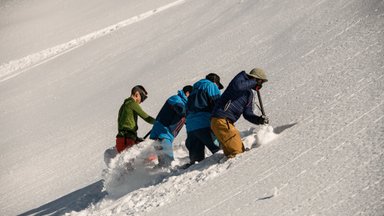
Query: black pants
(196,142)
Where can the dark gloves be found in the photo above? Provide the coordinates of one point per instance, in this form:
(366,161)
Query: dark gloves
(264,119)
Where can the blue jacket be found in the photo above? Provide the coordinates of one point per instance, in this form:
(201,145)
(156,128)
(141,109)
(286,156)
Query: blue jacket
(171,118)
(200,104)
(237,99)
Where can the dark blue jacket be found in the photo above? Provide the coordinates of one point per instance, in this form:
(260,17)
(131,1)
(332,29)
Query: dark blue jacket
(171,118)
(237,99)
(200,104)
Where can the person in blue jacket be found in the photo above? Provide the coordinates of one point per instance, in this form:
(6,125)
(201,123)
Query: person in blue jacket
(169,122)
(236,101)
(200,104)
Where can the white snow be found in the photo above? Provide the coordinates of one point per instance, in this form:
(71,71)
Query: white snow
(66,67)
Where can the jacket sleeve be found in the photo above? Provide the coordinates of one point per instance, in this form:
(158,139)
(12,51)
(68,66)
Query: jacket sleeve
(140,112)
(242,84)
(249,115)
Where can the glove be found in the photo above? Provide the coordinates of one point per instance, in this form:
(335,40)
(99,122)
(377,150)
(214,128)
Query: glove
(265,119)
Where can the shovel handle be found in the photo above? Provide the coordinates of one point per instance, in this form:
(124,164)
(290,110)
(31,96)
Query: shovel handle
(261,103)
(146,135)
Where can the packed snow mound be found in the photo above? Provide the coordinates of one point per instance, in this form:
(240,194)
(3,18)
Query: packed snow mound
(135,186)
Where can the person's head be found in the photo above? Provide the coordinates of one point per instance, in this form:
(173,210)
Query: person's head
(215,79)
(259,75)
(139,94)
(187,90)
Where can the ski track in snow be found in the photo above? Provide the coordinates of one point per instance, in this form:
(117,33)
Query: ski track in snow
(16,67)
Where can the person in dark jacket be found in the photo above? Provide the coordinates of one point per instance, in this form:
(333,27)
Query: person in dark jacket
(169,122)
(200,104)
(127,119)
(236,101)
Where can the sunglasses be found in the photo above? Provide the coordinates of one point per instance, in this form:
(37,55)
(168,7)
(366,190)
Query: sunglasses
(259,81)
(143,96)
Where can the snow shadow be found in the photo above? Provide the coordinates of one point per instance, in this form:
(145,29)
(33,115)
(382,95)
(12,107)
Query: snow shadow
(280,129)
(75,201)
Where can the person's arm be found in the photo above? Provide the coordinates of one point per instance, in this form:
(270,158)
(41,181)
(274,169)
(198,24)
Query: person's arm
(249,115)
(140,112)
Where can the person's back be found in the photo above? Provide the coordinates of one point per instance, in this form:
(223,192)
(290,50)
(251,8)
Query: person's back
(236,98)
(169,122)
(201,103)
(170,117)
(199,107)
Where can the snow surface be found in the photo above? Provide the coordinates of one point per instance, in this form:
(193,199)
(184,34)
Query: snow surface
(66,67)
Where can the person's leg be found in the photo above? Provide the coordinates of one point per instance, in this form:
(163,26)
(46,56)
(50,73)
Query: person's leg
(195,147)
(124,143)
(165,153)
(228,136)
(207,138)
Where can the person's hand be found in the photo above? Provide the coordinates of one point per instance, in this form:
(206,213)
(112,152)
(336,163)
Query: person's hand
(265,119)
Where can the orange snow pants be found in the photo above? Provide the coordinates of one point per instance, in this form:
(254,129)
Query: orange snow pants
(228,136)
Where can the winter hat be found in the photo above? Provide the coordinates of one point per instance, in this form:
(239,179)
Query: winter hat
(214,78)
(258,73)
(188,88)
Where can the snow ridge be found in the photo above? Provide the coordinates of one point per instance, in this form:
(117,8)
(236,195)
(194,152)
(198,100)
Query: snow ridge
(16,67)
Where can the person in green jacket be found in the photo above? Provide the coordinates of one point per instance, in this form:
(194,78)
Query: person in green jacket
(127,120)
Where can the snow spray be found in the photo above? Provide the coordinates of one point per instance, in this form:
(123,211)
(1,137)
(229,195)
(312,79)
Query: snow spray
(128,170)
(265,135)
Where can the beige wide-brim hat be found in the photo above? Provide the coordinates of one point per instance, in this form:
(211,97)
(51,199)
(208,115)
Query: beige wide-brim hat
(258,73)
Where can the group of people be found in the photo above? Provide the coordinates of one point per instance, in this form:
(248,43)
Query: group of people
(209,117)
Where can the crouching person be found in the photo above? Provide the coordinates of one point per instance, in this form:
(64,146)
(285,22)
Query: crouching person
(127,119)
(169,122)
(234,102)
(200,104)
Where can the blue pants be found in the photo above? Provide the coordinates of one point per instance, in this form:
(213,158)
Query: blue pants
(196,142)
(164,151)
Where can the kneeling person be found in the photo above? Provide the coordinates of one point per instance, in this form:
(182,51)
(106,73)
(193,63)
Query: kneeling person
(169,122)
(234,102)
(127,119)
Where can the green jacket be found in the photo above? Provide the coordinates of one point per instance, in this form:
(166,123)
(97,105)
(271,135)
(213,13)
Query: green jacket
(127,120)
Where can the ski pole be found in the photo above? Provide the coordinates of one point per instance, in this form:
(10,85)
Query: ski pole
(261,103)
(146,135)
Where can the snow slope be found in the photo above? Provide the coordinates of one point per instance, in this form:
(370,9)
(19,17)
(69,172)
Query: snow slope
(324,60)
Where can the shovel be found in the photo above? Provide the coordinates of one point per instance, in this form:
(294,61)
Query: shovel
(261,103)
